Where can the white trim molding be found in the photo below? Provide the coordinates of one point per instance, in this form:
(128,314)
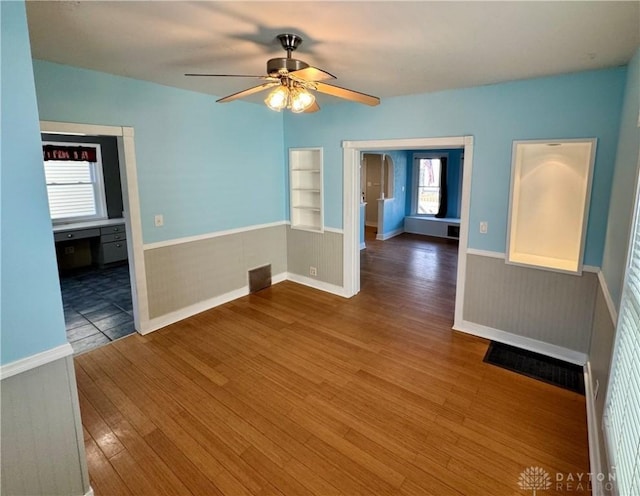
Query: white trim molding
(390,234)
(485,253)
(351,202)
(31,362)
(183,313)
(131,203)
(503,256)
(523,342)
(215,234)
(333,230)
(463,245)
(607,298)
(202,306)
(593,430)
(316,284)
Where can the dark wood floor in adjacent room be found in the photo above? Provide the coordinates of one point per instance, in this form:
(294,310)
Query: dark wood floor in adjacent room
(292,391)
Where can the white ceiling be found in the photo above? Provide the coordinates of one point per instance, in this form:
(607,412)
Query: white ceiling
(381,48)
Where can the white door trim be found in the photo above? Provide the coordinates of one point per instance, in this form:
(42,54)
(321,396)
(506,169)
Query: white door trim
(351,204)
(131,203)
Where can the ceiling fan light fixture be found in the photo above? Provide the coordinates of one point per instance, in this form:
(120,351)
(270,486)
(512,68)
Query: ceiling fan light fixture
(301,100)
(278,98)
(294,78)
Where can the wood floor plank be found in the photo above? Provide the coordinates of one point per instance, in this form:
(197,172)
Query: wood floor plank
(292,391)
(180,464)
(104,479)
(98,429)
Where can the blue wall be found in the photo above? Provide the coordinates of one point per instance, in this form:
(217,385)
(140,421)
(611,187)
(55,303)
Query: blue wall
(454,188)
(623,191)
(394,208)
(32,320)
(205,166)
(577,105)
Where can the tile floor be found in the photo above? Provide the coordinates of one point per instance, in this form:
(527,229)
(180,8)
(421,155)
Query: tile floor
(97,306)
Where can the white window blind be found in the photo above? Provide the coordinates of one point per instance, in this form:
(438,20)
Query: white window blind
(75,189)
(622,409)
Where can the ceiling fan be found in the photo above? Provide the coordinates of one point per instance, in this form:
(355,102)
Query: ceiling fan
(292,80)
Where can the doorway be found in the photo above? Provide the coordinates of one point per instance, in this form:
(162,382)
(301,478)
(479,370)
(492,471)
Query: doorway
(86,208)
(377,186)
(351,204)
(134,279)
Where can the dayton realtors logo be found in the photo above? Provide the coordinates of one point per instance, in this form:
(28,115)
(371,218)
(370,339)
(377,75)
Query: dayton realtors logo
(534,479)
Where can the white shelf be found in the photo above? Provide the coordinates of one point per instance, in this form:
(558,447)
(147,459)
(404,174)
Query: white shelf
(549,204)
(305,189)
(307,207)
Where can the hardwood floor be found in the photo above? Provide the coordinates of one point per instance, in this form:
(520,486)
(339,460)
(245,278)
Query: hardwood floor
(292,391)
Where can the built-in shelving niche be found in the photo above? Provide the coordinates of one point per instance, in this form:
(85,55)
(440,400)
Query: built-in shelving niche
(305,189)
(549,203)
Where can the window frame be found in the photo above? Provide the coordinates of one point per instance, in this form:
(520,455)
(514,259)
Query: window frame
(97,174)
(625,345)
(416,178)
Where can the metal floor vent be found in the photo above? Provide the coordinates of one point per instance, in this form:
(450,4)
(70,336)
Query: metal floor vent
(259,278)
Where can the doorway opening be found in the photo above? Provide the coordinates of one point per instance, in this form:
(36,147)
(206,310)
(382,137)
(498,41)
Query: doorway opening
(85,203)
(352,151)
(377,179)
(99,244)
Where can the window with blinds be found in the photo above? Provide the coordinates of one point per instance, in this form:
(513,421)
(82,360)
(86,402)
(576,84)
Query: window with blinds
(622,408)
(75,189)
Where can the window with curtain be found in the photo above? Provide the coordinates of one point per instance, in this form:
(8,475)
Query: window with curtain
(428,192)
(622,408)
(75,188)
(430,186)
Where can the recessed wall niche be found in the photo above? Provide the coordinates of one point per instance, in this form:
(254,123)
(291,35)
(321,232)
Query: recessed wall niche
(549,203)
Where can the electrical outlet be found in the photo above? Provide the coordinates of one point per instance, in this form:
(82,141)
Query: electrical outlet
(159,220)
(313,271)
(484,227)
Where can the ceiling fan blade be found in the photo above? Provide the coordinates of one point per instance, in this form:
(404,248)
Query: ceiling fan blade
(314,107)
(354,96)
(247,92)
(312,74)
(225,75)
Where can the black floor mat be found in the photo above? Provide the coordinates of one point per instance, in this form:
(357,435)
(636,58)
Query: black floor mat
(551,370)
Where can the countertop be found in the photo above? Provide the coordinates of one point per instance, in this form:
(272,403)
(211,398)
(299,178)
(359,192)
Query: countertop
(74,226)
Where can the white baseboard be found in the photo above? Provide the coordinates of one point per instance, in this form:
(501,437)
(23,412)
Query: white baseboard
(314,283)
(389,235)
(89,492)
(37,360)
(363,245)
(534,345)
(593,430)
(183,313)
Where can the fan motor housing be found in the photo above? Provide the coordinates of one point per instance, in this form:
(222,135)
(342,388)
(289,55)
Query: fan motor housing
(284,65)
